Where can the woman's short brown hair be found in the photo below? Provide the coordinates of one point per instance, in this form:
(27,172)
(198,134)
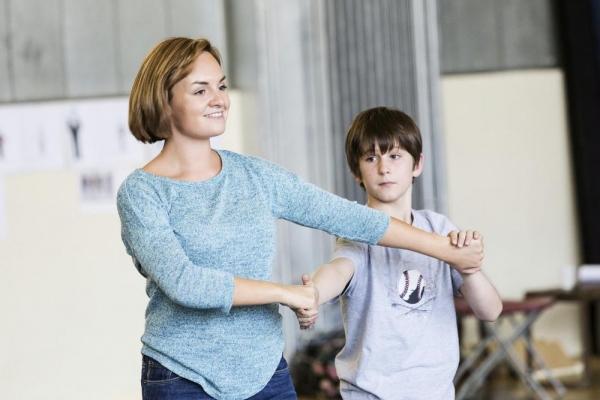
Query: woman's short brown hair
(167,63)
(385,127)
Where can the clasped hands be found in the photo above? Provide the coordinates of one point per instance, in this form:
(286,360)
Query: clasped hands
(474,240)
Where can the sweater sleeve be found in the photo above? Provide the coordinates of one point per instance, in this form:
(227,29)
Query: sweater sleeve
(149,238)
(306,204)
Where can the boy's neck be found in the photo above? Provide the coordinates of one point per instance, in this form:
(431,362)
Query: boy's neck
(399,211)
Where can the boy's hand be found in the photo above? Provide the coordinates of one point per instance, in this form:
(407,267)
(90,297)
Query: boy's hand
(473,253)
(463,237)
(308,316)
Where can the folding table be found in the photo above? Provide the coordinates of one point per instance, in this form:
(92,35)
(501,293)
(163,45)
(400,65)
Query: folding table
(520,315)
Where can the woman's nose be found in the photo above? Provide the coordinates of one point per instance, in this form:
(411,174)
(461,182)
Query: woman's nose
(217,99)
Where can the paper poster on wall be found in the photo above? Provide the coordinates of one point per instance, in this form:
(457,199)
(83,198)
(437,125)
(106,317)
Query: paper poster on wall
(152,149)
(99,136)
(97,192)
(42,132)
(10,139)
(98,189)
(130,149)
(92,133)
(3,221)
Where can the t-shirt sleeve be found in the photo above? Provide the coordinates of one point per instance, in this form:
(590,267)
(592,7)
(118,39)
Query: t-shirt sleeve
(306,204)
(149,238)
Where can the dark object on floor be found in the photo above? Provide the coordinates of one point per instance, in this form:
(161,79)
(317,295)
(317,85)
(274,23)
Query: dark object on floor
(313,369)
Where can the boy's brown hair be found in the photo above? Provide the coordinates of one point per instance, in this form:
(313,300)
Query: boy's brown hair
(168,62)
(383,126)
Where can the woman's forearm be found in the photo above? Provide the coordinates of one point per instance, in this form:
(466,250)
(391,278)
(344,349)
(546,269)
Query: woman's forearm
(249,292)
(402,235)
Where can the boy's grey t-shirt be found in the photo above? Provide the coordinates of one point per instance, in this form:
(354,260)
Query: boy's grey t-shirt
(399,319)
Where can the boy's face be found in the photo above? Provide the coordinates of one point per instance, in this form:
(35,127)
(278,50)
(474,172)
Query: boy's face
(388,177)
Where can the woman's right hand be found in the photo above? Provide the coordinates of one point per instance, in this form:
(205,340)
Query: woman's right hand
(299,296)
(308,316)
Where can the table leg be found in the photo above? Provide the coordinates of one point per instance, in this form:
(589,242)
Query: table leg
(585,309)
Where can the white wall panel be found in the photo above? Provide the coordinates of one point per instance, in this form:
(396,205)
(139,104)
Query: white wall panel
(509,176)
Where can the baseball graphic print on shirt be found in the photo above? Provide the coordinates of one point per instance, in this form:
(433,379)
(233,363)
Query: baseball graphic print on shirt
(411,286)
(411,289)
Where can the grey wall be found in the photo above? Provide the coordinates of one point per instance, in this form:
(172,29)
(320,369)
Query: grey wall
(385,53)
(491,35)
(308,67)
(53,49)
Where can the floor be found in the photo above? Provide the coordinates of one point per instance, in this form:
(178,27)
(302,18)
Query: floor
(505,387)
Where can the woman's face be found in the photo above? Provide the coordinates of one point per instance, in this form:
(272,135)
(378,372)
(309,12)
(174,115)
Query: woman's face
(199,102)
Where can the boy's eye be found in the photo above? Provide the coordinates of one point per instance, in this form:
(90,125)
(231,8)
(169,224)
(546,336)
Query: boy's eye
(370,159)
(395,156)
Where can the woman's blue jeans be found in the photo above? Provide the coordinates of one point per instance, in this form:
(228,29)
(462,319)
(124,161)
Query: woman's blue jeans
(160,383)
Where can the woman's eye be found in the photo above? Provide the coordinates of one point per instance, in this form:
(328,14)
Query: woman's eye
(223,88)
(201,91)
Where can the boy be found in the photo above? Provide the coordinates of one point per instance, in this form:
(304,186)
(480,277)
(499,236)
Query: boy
(397,305)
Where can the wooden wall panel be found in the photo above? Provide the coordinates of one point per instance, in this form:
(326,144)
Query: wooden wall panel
(35,49)
(90,40)
(141,25)
(5,76)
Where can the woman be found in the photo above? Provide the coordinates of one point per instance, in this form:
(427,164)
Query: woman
(200,226)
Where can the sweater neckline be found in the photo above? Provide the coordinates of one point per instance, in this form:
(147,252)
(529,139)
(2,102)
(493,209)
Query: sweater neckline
(218,177)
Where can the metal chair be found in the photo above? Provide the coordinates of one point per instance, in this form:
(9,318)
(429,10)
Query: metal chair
(530,309)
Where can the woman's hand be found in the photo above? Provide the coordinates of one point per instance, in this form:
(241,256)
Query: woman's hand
(308,316)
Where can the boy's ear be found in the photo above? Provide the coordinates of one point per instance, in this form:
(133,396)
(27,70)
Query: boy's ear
(358,179)
(418,169)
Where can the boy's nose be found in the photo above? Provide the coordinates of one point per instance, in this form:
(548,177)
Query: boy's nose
(383,169)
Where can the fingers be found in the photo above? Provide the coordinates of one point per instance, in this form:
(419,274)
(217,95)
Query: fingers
(305,279)
(453,237)
(464,237)
(306,318)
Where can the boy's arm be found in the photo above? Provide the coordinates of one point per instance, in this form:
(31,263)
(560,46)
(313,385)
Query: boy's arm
(402,235)
(328,281)
(481,296)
